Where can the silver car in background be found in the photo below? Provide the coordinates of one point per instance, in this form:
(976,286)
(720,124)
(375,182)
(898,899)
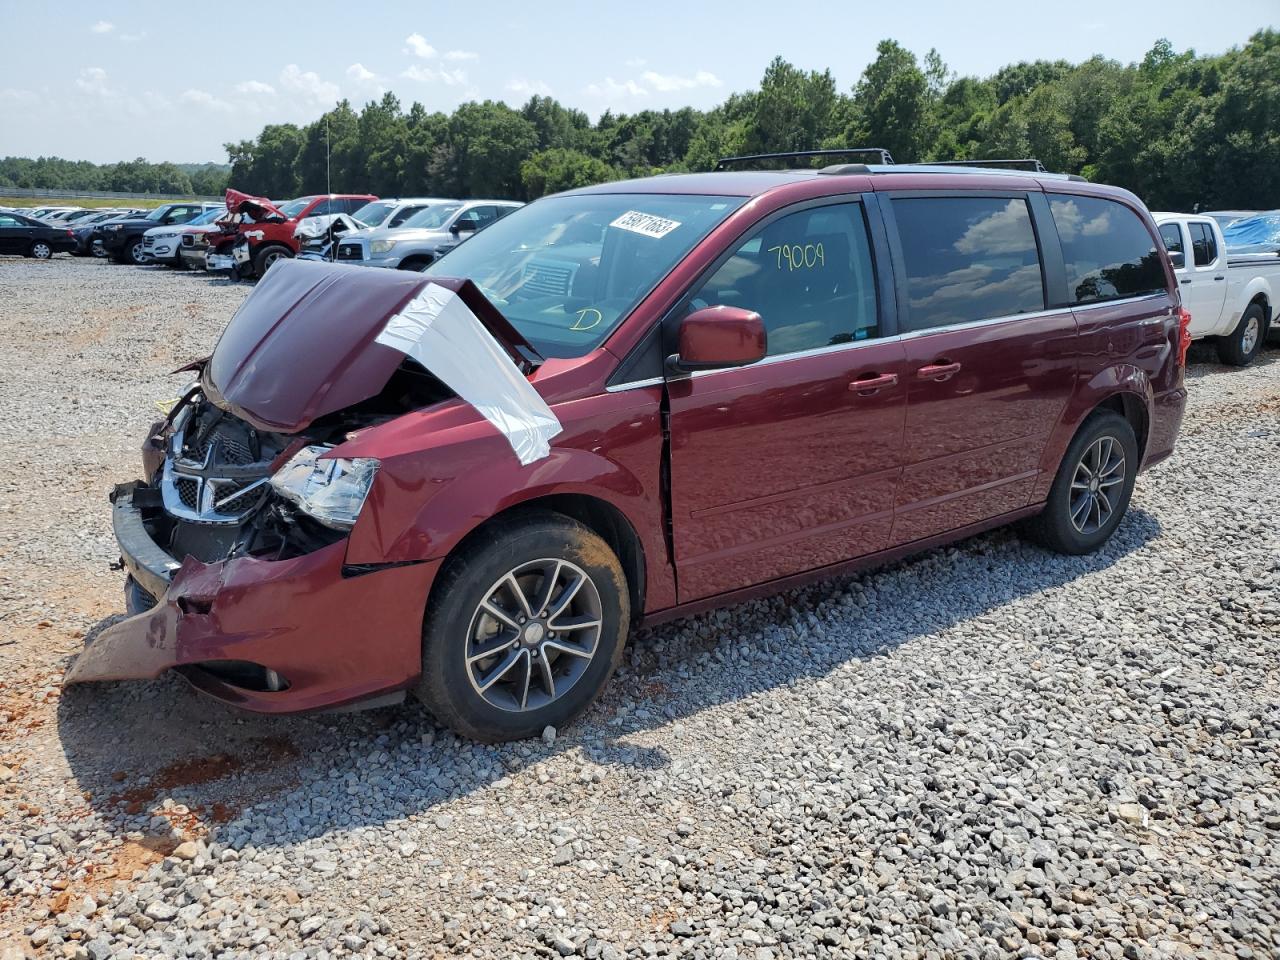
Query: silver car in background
(423,237)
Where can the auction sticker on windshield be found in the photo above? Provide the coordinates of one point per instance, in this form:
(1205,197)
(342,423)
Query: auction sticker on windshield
(645,224)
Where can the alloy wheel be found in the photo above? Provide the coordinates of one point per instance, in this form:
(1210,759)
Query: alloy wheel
(1097,484)
(1249,339)
(135,253)
(534,635)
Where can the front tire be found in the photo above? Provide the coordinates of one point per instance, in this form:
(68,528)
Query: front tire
(1241,346)
(266,258)
(135,252)
(526,625)
(1091,491)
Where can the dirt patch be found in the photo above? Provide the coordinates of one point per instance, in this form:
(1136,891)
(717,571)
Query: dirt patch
(179,776)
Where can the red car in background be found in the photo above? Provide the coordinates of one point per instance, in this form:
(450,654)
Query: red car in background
(632,402)
(258,232)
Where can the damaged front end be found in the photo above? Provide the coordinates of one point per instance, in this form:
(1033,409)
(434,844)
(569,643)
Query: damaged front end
(235,542)
(236,572)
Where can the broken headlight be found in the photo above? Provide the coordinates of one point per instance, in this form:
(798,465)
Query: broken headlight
(331,491)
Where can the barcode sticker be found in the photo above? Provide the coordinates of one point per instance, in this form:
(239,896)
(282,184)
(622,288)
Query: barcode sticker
(645,224)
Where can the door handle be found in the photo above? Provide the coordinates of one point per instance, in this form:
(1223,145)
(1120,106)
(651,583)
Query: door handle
(938,371)
(1219,278)
(871,383)
(1184,281)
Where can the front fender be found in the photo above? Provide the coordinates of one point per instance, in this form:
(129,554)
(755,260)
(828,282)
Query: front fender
(445,472)
(1116,380)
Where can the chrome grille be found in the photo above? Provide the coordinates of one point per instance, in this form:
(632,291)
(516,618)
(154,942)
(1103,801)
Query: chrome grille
(350,251)
(216,469)
(188,240)
(547,278)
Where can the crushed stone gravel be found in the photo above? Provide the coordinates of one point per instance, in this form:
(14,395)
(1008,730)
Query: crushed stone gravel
(984,751)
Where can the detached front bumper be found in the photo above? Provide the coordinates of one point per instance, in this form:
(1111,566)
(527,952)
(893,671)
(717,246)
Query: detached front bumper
(219,262)
(336,635)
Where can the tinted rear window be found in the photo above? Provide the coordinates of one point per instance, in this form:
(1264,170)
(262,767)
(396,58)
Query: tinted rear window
(1109,253)
(968,258)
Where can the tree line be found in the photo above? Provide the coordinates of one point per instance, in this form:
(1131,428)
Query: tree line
(1176,128)
(130,176)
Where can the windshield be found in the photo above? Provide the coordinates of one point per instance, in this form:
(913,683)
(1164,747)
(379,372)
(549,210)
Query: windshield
(158,213)
(566,270)
(294,207)
(432,218)
(372,214)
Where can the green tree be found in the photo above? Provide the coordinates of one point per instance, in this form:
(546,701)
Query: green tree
(550,171)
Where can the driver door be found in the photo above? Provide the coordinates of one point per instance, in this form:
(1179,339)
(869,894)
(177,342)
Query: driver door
(792,463)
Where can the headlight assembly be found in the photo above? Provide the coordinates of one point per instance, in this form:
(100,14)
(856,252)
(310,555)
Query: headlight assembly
(331,491)
(382,246)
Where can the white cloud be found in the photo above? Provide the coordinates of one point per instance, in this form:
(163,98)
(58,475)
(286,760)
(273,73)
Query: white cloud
(450,78)
(93,80)
(360,73)
(418,46)
(203,98)
(666,83)
(528,88)
(461,55)
(611,89)
(256,87)
(19,96)
(102,26)
(308,85)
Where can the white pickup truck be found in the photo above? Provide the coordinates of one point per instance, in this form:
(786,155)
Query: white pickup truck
(1230,297)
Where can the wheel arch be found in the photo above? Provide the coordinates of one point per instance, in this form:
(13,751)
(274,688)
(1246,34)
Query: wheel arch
(600,516)
(1123,388)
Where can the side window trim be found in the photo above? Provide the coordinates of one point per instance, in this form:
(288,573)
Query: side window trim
(1053,263)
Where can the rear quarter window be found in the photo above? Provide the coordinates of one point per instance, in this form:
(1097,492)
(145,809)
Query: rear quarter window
(1109,253)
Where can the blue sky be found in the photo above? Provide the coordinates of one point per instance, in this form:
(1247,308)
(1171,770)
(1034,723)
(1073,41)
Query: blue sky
(175,80)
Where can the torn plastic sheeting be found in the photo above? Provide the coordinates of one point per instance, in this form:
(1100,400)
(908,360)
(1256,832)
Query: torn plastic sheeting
(439,331)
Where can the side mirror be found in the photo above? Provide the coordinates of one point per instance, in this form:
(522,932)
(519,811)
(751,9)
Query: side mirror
(1178,258)
(717,337)
(464,225)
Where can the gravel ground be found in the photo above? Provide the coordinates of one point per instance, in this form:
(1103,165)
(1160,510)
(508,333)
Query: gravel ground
(986,751)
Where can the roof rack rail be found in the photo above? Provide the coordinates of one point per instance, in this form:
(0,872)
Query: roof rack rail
(1027,163)
(880,153)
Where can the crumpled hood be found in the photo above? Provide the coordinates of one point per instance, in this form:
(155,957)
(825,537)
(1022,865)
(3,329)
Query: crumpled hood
(302,344)
(256,207)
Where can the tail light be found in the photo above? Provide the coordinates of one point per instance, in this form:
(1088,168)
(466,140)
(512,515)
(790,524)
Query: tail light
(71,234)
(1184,335)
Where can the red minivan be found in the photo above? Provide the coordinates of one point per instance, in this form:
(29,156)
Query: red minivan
(631,402)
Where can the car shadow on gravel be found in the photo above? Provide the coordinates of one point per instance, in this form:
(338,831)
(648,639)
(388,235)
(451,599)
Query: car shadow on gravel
(274,781)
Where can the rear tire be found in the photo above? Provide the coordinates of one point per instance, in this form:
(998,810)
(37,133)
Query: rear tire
(552,651)
(1091,491)
(1241,346)
(40,250)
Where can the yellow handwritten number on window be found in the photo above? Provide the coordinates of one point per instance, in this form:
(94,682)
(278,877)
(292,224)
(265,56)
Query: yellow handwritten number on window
(797,256)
